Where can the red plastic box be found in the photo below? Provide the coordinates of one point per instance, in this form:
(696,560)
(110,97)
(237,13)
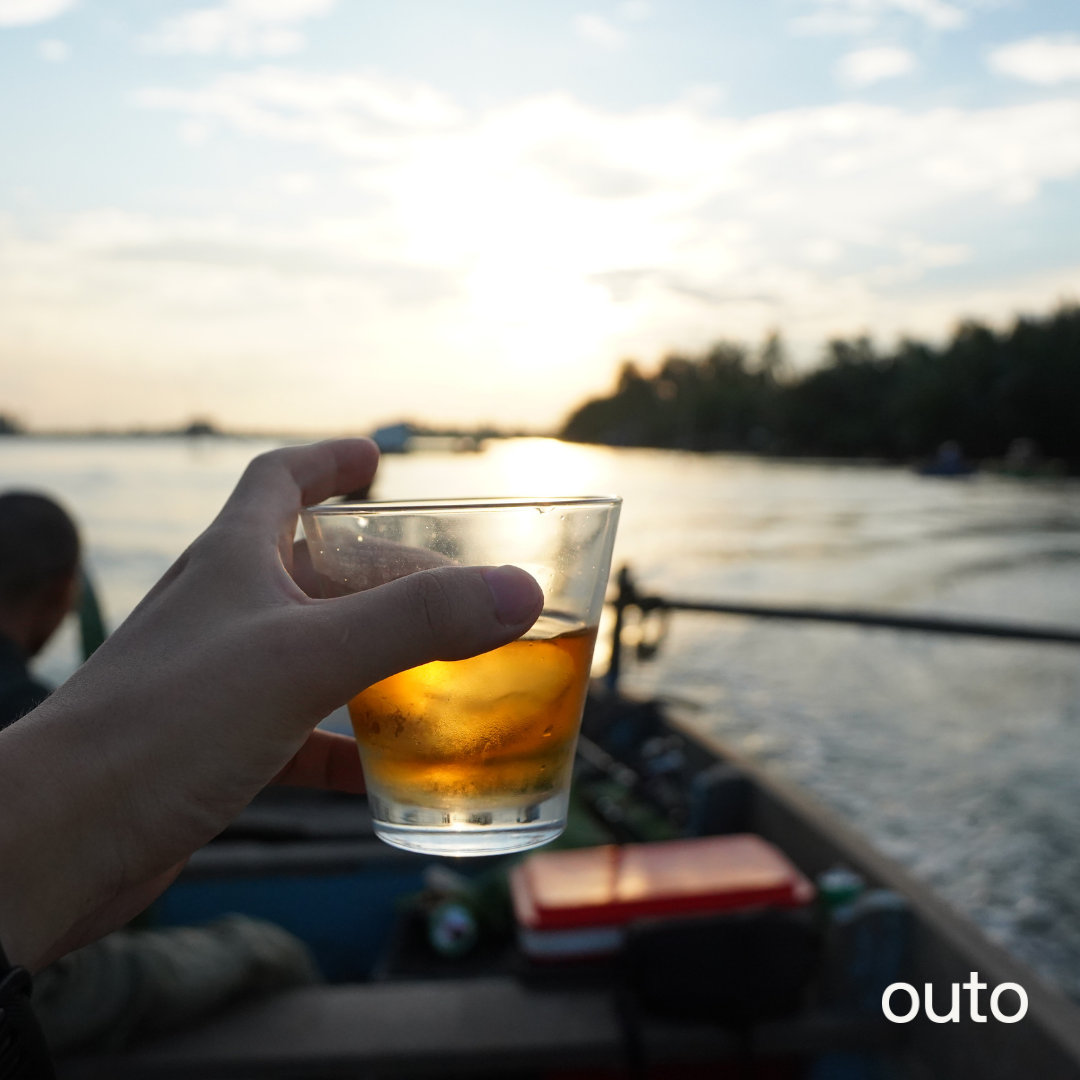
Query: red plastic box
(574,904)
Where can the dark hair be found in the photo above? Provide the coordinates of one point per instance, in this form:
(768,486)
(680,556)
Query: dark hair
(38,544)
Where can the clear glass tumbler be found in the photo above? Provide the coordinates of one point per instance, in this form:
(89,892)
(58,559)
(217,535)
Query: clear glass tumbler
(473,757)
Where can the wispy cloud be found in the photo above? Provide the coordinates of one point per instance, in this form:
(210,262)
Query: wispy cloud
(865,16)
(597,29)
(54,50)
(540,240)
(537,202)
(866,66)
(1045,61)
(355,115)
(28,12)
(239,28)
(870,147)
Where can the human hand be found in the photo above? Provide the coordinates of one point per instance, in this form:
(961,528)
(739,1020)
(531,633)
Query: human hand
(207,692)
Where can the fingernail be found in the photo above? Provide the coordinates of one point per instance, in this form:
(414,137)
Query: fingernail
(514,591)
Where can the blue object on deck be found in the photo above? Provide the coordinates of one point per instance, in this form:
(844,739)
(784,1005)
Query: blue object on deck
(345,918)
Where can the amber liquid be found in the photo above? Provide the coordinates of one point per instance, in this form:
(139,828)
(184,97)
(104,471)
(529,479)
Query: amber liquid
(464,734)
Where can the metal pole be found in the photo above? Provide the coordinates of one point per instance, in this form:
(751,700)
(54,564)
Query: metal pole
(626,597)
(934,624)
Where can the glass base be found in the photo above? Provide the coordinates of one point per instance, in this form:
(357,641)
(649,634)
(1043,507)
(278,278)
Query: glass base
(469,829)
(474,840)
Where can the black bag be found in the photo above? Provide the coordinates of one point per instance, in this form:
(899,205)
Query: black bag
(736,970)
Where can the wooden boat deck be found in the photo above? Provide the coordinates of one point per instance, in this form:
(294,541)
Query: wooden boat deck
(469,1027)
(518,1026)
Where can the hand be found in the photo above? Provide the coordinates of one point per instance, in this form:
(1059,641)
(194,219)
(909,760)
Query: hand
(207,692)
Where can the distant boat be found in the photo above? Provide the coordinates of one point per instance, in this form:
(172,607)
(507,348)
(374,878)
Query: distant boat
(948,461)
(444,444)
(1024,461)
(200,427)
(406,439)
(394,438)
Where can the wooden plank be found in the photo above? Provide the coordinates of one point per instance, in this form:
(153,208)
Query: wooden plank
(260,858)
(467,1027)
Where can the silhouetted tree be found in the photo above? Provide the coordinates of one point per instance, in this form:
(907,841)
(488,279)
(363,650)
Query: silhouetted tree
(983,389)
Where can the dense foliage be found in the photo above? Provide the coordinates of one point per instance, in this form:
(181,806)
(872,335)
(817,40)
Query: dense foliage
(983,389)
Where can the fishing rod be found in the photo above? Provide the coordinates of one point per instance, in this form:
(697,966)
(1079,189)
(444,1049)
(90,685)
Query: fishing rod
(629,597)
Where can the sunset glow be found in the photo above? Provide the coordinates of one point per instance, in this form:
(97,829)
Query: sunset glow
(277,216)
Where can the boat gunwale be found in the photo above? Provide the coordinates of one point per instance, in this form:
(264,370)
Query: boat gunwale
(1048,1008)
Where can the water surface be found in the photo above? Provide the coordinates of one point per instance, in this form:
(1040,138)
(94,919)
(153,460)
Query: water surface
(960,757)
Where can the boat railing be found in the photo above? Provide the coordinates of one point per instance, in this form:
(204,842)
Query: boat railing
(630,597)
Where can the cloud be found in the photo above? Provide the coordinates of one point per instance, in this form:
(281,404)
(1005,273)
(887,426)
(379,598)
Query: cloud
(1046,60)
(238,28)
(54,50)
(866,66)
(596,29)
(354,115)
(636,10)
(548,193)
(407,124)
(27,12)
(474,254)
(865,16)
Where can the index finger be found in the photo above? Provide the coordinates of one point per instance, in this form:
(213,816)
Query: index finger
(278,484)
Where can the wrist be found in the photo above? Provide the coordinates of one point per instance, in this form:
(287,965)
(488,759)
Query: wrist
(51,858)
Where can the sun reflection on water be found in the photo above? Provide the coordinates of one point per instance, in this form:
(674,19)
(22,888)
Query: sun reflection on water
(545,467)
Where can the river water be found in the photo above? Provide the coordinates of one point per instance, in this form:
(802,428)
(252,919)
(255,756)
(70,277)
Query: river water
(960,757)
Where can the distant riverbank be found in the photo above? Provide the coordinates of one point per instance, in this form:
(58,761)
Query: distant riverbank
(1010,397)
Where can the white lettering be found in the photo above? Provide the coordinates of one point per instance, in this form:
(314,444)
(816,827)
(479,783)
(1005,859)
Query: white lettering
(973,986)
(886,1005)
(953,1015)
(1020,1013)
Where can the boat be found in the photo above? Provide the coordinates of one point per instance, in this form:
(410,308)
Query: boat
(948,461)
(395,1008)
(405,438)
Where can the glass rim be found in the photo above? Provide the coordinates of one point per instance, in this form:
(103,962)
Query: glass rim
(450,506)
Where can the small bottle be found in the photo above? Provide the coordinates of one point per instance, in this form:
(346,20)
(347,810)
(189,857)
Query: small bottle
(837,887)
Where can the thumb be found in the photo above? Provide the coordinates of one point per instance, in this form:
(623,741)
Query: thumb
(447,613)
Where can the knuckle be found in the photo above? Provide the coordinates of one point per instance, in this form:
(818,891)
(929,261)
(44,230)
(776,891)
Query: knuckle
(262,464)
(270,459)
(272,466)
(432,606)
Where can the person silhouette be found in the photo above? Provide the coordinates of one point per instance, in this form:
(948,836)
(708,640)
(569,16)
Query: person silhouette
(39,582)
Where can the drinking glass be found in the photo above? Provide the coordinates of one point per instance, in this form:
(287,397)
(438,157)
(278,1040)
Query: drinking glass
(473,757)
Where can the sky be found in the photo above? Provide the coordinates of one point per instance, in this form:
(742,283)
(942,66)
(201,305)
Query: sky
(320,215)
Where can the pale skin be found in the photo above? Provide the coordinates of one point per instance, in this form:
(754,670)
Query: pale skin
(210,690)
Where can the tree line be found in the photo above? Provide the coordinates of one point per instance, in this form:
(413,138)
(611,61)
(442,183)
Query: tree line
(984,390)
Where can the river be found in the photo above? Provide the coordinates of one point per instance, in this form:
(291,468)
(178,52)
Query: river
(960,757)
